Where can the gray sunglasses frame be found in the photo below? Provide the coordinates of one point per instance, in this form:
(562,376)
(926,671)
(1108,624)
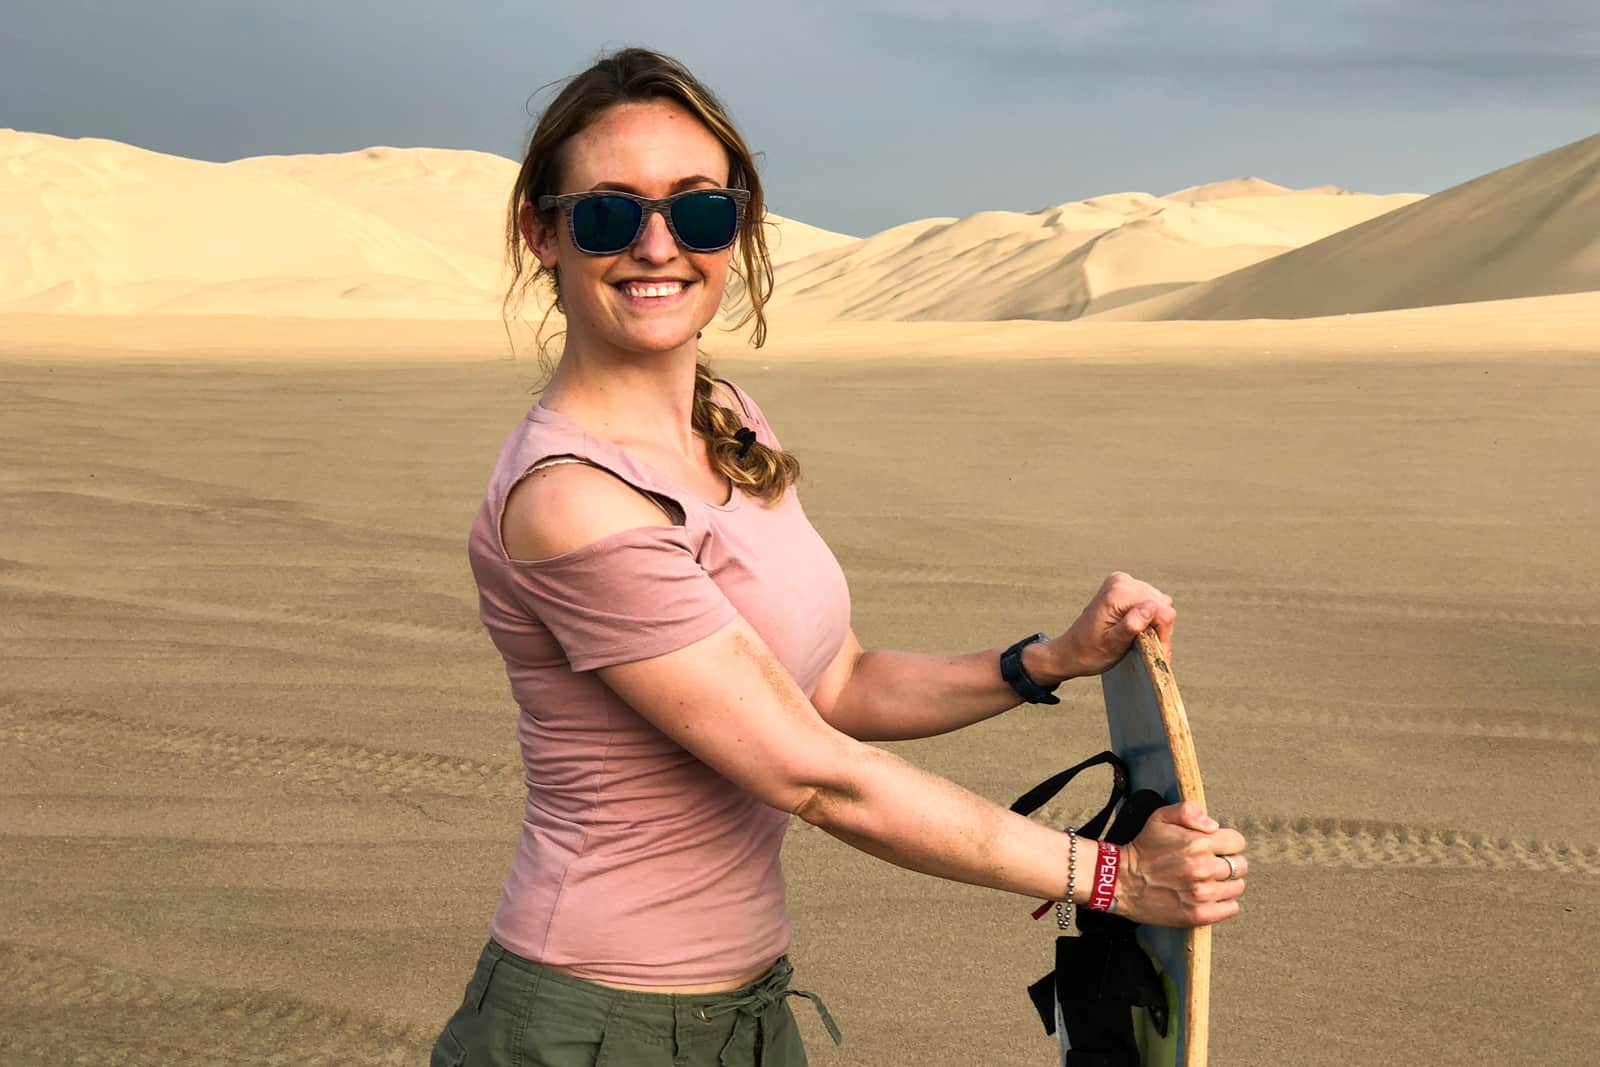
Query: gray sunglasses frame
(567,201)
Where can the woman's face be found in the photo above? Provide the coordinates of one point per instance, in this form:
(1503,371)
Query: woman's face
(652,149)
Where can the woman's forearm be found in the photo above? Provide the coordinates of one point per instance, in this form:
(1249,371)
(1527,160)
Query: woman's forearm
(897,696)
(888,808)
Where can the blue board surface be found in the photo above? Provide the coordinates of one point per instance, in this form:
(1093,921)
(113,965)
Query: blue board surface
(1133,716)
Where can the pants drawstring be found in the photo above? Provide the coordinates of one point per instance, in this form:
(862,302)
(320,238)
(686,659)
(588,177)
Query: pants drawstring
(755,1004)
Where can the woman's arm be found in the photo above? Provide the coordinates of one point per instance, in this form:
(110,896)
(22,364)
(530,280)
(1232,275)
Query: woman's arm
(883,695)
(896,696)
(731,703)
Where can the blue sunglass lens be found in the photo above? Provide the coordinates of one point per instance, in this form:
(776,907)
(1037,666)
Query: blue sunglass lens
(605,223)
(706,221)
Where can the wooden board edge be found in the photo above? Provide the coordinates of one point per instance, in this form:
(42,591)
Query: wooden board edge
(1197,1024)
(1173,718)
(1186,767)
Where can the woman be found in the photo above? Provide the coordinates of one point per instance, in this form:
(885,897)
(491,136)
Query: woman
(678,638)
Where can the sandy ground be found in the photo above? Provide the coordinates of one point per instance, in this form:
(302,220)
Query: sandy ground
(260,777)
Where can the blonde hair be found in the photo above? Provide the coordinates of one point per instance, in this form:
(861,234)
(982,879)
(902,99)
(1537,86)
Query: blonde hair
(633,75)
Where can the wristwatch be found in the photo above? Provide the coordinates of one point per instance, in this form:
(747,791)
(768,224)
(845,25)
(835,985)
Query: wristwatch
(1011,670)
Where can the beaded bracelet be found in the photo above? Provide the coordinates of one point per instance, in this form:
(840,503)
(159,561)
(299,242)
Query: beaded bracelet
(1064,914)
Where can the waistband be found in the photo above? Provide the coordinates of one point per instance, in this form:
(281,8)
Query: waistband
(751,1001)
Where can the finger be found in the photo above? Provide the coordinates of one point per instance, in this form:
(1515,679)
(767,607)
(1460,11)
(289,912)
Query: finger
(1211,914)
(1123,592)
(1138,617)
(1211,892)
(1191,815)
(1146,591)
(1188,816)
(1165,619)
(1227,842)
(1224,872)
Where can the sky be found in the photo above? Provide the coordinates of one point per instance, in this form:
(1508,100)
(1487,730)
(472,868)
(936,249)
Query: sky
(868,113)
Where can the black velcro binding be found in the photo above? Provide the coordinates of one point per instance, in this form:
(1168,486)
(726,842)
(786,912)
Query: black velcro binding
(1101,975)
(1041,794)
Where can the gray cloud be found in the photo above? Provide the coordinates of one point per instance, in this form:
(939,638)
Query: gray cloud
(869,112)
(1427,45)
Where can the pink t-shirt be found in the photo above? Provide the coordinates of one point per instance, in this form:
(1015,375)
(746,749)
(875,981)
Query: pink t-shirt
(638,863)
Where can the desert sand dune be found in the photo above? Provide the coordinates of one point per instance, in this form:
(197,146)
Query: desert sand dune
(1235,188)
(96,226)
(261,765)
(1229,189)
(453,199)
(1566,324)
(1552,324)
(1529,229)
(1064,261)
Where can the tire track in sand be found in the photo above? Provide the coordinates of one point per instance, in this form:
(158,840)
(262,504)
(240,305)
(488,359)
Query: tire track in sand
(1510,724)
(1364,844)
(150,1021)
(306,761)
(239,613)
(1394,606)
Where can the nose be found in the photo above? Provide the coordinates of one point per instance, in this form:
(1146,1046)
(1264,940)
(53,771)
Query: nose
(655,244)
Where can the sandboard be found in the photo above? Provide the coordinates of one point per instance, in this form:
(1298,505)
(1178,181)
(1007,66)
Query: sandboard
(1150,731)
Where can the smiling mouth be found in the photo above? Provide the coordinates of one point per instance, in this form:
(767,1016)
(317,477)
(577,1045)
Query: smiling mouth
(653,288)
(650,291)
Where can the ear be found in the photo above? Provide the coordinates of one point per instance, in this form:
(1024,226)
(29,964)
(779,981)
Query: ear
(541,238)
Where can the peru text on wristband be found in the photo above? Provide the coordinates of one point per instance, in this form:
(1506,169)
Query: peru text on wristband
(1103,888)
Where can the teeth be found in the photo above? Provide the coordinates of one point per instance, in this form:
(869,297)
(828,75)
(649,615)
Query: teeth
(669,289)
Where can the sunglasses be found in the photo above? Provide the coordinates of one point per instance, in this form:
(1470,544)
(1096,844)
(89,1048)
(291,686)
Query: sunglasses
(604,223)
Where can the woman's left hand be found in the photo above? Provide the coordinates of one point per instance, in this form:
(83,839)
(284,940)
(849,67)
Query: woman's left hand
(1174,873)
(1123,608)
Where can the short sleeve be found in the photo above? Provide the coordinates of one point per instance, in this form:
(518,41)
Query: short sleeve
(629,596)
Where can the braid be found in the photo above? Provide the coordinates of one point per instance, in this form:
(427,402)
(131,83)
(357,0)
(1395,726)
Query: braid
(748,463)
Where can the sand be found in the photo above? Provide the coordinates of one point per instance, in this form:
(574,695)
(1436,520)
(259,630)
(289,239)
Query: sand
(1065,261)
(262,777)
(91,226)
(1530,229)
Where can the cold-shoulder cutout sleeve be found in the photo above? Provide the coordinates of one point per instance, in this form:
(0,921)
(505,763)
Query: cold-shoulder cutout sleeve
(629,596)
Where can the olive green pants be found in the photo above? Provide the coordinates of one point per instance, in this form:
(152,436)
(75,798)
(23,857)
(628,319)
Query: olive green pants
(517,1013)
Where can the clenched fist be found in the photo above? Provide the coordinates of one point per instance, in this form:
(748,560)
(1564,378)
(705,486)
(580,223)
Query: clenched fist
(1123,609)
(1174,873)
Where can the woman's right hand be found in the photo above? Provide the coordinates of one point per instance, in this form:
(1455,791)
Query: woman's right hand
(1173,873)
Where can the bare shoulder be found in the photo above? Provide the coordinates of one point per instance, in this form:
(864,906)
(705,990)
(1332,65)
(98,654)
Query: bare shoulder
(562,508)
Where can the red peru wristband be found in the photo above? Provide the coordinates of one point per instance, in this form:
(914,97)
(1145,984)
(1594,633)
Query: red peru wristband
(1105,877)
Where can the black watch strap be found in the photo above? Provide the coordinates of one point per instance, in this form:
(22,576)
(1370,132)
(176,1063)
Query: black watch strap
(1011,670)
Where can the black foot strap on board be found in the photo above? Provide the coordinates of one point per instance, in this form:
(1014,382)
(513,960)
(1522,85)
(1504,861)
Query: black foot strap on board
(1103,974)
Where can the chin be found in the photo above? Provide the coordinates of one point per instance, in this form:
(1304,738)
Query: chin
(661,338)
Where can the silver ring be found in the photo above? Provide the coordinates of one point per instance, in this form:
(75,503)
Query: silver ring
(1233,868)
